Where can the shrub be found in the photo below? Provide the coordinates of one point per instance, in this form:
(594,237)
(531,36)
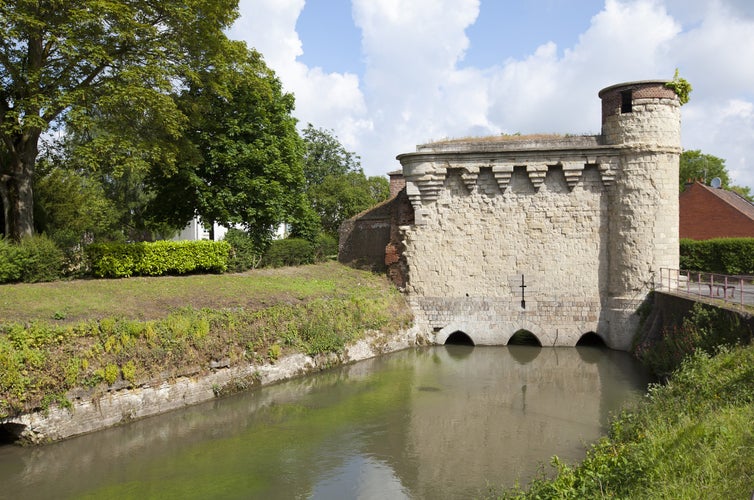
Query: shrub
(244,254)
(35,259)
(705,328)
(10,262)
(119,260)
(289,252)
(325,247)
(43,259)
(721,255)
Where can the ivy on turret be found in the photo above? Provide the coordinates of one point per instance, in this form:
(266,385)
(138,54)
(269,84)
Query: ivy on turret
(681,87)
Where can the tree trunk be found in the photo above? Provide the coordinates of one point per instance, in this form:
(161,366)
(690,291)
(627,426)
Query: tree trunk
(16,180)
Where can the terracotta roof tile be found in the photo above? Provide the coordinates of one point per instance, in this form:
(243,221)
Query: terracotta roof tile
(733,199)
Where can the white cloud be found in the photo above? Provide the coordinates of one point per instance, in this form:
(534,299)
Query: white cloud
(414,89)
(327,100)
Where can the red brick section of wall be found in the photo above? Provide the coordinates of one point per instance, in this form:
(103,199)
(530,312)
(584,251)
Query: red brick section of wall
(402,215)
(611,100)
(397,182)
(704,215)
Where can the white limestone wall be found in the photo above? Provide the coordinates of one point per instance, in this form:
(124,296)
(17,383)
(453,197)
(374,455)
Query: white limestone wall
(644,207)
(467,256)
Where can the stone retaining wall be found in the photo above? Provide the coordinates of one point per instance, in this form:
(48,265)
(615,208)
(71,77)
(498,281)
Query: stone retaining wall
(117,406)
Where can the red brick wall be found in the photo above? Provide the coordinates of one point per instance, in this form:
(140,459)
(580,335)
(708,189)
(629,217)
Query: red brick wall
(397,182)
(704,216)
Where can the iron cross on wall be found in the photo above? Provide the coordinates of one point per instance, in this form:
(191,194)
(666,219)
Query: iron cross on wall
(523,287)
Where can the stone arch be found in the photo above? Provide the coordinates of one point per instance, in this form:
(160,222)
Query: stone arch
(591,339)
(11,432)
(459,338)
(524,337)
(464,328)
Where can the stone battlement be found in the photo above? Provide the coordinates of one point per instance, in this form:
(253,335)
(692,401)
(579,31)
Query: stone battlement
(559,236)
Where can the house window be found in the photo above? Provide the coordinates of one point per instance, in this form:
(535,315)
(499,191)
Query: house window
(625,101)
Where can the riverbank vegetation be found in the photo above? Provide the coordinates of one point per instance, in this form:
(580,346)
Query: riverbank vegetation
(691,437)
(96,335)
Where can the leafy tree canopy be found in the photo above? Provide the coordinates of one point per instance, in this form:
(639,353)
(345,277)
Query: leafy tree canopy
(324,155)
(336,184)
(59,58)
(697,166)
(241,163)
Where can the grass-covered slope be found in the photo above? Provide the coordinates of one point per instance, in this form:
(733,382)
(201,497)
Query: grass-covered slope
(691,438)
(99,333)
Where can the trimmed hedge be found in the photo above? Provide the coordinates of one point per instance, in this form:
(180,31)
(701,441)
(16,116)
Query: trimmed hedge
(121,260)
(289,252)
(35,259)
(721,255)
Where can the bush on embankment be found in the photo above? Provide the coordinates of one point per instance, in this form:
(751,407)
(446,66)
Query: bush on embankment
(705,328)
(721,255)
(121,260)
(41,361)
(690,438)
(34,259)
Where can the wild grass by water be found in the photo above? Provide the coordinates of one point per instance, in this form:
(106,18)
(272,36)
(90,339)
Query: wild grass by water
(100,334)
(690,438)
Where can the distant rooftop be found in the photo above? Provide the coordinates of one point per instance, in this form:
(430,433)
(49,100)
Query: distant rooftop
(733,199)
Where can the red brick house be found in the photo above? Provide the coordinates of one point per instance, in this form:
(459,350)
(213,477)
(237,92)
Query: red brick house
(707,212)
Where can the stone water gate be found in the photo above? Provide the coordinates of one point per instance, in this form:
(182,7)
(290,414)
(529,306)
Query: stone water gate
(559,236)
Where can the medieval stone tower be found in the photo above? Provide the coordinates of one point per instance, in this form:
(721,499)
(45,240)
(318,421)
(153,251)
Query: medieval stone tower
(558,236)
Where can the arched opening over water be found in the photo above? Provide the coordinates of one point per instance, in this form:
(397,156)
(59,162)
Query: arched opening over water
(10,433)
(459,338)
(524,337)
(591,339)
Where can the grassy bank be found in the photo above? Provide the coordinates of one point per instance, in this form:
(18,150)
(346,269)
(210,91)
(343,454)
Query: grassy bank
(97,334)
(690,438)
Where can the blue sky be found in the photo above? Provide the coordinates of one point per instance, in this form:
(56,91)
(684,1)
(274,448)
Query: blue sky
(386,75)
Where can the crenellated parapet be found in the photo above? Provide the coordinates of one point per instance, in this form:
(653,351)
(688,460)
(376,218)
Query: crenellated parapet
(426,171)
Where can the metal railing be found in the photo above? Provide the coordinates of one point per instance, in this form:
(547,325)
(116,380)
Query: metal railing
(735,290)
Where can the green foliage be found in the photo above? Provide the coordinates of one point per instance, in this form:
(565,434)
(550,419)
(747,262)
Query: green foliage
(325,247)
(336,184)
(697,166)
(338,198)
(119,260)
(242,162)
(91,60)
(34,259)
(705,328)
(681,87)
(72,208)
(721,255)
(244,253)
(289,252)
(690,438)
(325,156)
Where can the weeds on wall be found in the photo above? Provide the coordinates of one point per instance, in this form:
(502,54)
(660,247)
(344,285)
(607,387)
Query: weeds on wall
(41,362)
(704,329)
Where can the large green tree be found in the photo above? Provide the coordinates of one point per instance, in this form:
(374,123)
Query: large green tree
(324,155)
(61,57)
(242,162)
(336,184)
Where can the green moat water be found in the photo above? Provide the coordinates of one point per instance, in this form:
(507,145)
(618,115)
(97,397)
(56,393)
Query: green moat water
(440,422)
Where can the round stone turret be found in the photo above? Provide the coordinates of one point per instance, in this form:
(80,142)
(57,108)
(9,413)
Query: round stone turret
(645,112)
(643,119)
